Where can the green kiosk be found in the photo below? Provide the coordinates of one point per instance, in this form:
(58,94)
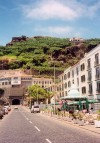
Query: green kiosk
(75,101)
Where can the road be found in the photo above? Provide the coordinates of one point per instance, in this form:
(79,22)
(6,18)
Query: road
(21,126)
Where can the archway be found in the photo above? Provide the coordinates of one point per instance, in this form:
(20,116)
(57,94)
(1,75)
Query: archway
(15,102)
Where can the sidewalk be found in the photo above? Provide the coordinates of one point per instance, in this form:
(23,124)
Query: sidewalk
(87,127)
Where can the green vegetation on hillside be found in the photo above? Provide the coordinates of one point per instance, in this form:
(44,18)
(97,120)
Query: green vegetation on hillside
(42,53)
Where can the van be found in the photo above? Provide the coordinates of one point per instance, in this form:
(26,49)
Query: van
(35,108)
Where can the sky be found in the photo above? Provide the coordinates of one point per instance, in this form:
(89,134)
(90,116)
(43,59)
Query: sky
(56,18)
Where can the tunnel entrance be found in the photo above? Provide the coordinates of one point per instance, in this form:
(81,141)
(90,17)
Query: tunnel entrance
(15,102)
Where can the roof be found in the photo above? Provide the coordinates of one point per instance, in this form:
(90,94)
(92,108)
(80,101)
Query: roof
(73,94)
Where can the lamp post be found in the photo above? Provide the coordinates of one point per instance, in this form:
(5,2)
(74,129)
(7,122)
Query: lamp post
(37,95)
(54,91)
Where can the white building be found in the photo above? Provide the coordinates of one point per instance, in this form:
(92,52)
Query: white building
(14,83)
(85,74)
(42,82)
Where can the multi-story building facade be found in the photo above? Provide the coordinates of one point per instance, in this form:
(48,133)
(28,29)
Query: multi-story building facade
(93,73)
(85,75)
(14,83)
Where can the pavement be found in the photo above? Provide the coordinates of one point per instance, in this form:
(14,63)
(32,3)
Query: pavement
(87,127)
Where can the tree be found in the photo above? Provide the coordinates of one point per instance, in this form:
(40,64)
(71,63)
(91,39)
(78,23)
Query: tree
(38,93)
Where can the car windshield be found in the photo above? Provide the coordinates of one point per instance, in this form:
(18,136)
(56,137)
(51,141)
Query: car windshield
(36,106)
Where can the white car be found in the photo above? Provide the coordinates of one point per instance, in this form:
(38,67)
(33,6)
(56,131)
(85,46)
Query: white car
(16,107)
(35,108)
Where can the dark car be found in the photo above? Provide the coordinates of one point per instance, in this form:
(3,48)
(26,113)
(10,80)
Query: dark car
(1,114)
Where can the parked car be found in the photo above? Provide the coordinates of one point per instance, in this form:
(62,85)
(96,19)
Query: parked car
(1,114)
(16,107)
(6,109)
(35,108)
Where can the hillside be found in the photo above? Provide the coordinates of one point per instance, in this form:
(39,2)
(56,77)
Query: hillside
(42,53)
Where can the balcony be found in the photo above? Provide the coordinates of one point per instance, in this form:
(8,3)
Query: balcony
(88,67)
(90,92)
(96,63)
(89,79)
(98,91)
(97,77)
(98,97)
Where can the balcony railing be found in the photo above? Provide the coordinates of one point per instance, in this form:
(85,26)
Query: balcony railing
(89,79)
(90,92)
(98,91)
(97,77)
(96,63)
(89,66)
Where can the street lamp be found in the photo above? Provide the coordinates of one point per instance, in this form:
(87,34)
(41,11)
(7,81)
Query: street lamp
(37,95)
(54,91)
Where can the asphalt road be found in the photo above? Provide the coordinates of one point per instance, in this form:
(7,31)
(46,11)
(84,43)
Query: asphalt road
(21,126)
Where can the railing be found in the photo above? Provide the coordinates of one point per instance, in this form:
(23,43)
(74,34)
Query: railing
(89,66)
(89,79)
(90,92)
(96,63)
(97,76)
(97,90)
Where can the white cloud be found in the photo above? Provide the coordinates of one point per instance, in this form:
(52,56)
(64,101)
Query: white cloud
(50,10)
(60,9)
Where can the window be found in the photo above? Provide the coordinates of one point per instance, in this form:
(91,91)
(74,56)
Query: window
(97,59)
(68,74)
(77,81)
(83,78)
(69,84)
(82,67)
(62,78)
(89,63)
(65,76)
(15,77)
(77,71)
(62,87)
(98,87)
(65,84)
(83,90)
(89,76)
(2,83)
(72,73)
(65,93)
(90,89)
(5,83)
(98,72)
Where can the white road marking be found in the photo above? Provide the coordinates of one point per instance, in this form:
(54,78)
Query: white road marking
(30,122)
(48,141)
(37,128)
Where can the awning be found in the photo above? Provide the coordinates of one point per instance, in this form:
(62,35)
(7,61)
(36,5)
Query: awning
(93,101)
(73,97)
(73,103)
